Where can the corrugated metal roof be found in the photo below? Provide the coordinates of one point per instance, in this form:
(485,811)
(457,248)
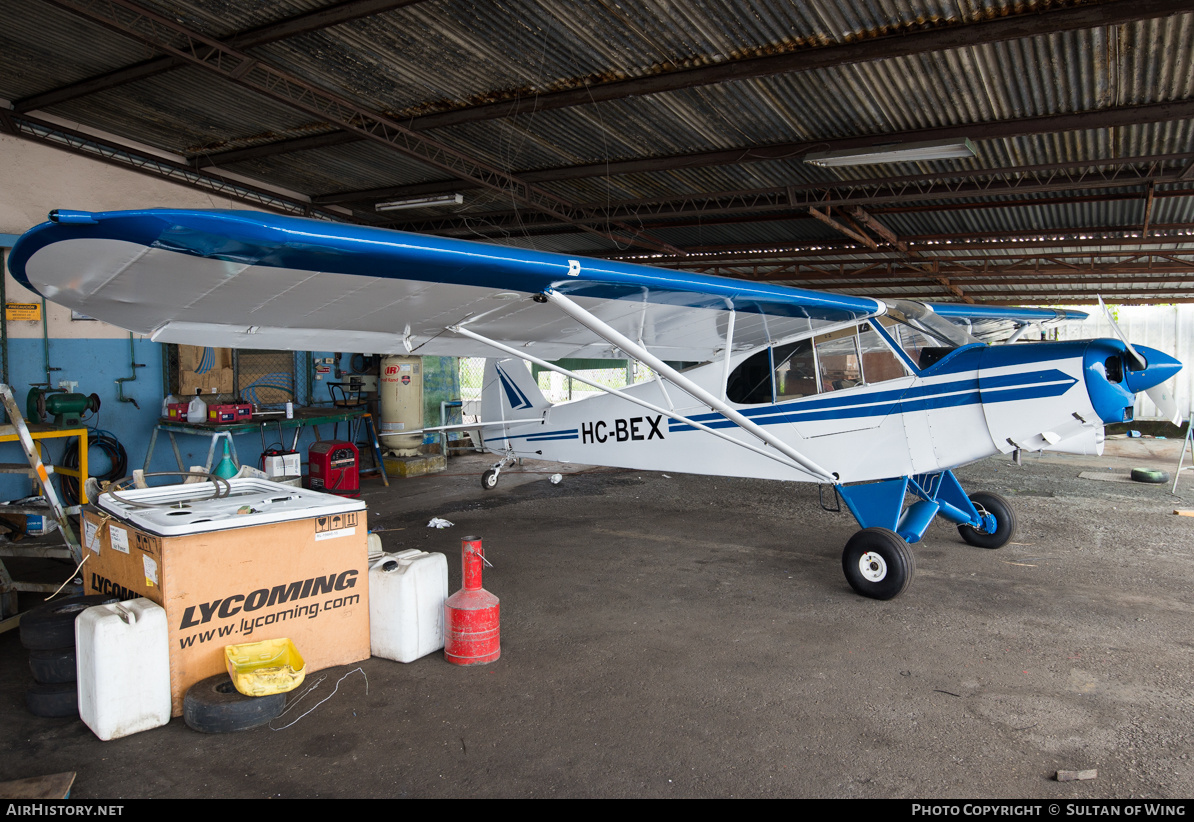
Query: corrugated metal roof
(408,60)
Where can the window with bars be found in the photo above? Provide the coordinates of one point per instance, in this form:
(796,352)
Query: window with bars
(263,377)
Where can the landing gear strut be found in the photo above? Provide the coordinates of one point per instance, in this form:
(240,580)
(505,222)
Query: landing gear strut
(878,562)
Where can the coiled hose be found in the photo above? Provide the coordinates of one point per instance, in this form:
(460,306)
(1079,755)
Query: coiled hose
(107,443)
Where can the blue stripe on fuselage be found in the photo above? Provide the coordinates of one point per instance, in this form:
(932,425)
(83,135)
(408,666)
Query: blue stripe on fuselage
(1002,388)
(999,388)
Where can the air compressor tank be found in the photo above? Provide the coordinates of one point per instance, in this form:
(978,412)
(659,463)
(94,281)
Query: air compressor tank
(401,390)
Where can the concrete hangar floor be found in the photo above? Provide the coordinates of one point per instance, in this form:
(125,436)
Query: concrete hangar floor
(683,636)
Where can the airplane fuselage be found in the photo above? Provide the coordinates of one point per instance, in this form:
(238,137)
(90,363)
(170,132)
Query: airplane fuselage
(976,402)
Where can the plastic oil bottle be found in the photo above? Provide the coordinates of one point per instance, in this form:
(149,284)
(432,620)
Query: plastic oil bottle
(197,410)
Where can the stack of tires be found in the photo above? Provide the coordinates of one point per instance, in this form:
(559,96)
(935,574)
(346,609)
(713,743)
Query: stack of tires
(48,633)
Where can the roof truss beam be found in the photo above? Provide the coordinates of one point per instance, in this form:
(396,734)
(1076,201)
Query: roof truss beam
(1028,269)
(864,50)
(791,203)
(1114,12)
(236,66)
(124,156)
(1120,117)
(299,24)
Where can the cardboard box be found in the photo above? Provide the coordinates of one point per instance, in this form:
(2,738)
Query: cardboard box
(305,579)
(208,369)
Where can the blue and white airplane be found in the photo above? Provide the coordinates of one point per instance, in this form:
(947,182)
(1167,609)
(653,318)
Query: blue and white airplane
(879,398)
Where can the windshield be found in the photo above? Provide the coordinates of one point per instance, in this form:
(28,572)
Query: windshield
(923,319)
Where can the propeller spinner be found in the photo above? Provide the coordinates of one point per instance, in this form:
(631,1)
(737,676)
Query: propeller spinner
(1149,371)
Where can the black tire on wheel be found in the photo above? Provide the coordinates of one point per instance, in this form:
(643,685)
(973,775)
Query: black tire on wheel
(54,700)
(214,706)
(52,625)
(1005,522)
(878,563)
(489,479)
(1148,475)
(53,667)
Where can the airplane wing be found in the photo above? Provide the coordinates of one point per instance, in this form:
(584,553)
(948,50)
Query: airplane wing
(992,323)
(246,279)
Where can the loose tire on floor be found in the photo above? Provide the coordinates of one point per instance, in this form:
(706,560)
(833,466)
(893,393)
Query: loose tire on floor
(52,625)
(878,563)
(214,706)
(1149,475)
(54,701)
(54,666)
(1005,522)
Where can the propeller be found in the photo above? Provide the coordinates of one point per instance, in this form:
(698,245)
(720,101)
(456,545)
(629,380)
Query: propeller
(1160,393)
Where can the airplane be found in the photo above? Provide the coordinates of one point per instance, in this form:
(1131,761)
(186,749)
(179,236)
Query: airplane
(881,399)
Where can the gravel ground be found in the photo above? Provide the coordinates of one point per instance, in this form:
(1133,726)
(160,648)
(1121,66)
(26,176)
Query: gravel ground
(683,636)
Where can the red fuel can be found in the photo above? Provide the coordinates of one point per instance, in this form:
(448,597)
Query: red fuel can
(472,633)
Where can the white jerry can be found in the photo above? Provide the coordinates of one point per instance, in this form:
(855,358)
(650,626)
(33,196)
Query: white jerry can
(407,591)
(122,652)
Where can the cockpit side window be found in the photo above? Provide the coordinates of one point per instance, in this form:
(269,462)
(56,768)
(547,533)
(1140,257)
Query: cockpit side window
(750,382)
(837,356)
(852,356)
(879,362)
(795,370)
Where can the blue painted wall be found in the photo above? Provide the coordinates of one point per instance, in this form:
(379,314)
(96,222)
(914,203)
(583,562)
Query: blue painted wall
(96,364)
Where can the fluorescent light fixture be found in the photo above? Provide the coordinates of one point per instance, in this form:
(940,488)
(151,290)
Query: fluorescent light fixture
(419,202)
(893,153)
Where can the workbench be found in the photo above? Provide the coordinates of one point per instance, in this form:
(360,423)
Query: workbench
(303,417)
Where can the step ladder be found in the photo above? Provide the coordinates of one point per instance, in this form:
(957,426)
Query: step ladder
(37,470)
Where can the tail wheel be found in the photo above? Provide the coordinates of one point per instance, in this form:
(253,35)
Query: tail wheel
(1005,522)
(878,563)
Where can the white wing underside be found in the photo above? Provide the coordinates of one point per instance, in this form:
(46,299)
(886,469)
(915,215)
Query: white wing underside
(181,298)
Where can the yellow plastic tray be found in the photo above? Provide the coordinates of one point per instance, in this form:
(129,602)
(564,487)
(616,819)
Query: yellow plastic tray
(271,666)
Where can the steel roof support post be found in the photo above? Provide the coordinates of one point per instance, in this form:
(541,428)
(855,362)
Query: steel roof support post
(616,338)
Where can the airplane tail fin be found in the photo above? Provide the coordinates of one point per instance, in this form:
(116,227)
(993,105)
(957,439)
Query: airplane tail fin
(509,393)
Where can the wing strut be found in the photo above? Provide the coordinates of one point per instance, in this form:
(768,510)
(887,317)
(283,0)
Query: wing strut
(615,338)
(523,355)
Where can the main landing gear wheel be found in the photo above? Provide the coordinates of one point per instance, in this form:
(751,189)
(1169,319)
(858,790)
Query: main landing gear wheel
(1005,522)
(489,479)
(878,563)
